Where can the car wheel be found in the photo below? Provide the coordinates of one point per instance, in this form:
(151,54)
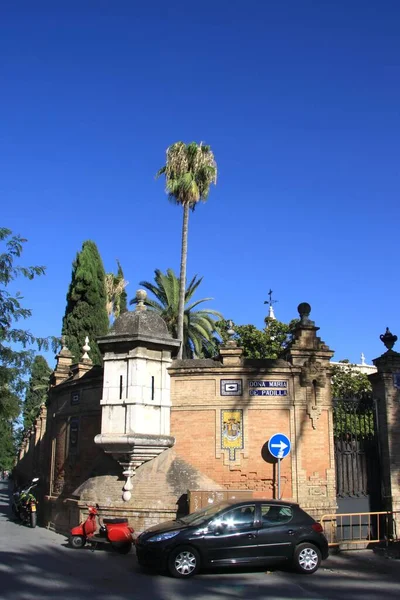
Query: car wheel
(184,562)
(307,558)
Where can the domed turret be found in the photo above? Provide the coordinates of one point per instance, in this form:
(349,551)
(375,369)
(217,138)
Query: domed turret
(136,400)
(141,322)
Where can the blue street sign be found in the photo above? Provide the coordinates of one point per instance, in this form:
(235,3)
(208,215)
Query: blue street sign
(279,445)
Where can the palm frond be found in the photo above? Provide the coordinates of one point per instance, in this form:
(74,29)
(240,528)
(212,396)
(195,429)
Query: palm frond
(199,325)
(194,304)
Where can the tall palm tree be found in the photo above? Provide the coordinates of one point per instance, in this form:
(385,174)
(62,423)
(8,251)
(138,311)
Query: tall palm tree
(198,325)
(189,171)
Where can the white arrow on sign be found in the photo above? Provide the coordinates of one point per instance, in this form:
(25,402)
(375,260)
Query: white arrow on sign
(282,446)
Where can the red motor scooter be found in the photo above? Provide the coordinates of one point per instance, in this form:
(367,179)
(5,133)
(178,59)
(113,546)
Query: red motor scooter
(116,532)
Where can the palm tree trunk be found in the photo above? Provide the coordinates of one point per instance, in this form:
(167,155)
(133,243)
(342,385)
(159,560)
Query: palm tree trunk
(182,277)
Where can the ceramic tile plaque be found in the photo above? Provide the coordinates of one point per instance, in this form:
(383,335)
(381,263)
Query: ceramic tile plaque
(231,387)
(232,431)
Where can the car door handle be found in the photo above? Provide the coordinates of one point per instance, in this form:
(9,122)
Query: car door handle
(291,532)
(252,535)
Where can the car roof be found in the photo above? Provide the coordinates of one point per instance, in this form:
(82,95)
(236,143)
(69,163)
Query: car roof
(233,502)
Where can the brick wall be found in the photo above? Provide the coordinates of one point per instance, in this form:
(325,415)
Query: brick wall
(304,414)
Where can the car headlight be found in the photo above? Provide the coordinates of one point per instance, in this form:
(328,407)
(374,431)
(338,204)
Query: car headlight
(161,537)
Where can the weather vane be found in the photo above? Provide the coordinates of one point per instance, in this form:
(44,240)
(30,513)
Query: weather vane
(270,301)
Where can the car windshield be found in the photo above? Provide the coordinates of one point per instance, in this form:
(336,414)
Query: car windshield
(202,515)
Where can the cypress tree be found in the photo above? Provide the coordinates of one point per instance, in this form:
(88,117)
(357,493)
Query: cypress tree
(36,393)
(86,311)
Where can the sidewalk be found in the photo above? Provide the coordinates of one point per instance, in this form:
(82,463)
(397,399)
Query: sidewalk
(361,562)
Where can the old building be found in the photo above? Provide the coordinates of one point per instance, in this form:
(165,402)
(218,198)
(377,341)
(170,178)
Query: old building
(148,436)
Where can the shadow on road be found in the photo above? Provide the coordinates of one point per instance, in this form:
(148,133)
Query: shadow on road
(50,574)
(44,568)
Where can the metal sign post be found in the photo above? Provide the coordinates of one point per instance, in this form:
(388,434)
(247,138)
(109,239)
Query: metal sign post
(279,446)
(279,478)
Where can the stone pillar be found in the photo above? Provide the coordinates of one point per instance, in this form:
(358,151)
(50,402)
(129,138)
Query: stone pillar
(63,366)
(313,452)
(386,391)
(85,364)
(230,353)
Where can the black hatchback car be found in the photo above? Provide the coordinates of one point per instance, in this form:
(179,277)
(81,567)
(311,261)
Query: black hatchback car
(235,533)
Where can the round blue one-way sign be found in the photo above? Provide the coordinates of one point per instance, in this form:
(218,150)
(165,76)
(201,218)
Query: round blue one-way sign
(279,445)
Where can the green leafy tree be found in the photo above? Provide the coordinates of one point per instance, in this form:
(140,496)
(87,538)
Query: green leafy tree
(36,394)
(189,171)
(198,325)
(7,445)
(15,356)
(269,342)
(353,406)
(116,294)
(347,382)
(86,311)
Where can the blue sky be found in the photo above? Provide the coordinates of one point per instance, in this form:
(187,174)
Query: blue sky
(299,100)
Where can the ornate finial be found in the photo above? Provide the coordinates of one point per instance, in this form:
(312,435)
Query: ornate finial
(231,342)
(126,494)
(86,349)
(64,352)
(362,358)
(230,331)
(388,339)
(141,296)
(304,310)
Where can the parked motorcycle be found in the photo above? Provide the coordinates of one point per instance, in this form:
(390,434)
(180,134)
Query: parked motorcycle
(95,530)
(24,504)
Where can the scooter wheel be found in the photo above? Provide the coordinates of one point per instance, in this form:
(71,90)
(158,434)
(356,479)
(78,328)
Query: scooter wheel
(122,547)
(77,541)
(33,519)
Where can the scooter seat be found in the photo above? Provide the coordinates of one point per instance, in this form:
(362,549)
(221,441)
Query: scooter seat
(114,521)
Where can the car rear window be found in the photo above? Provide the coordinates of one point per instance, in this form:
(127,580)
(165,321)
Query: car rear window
(275,515)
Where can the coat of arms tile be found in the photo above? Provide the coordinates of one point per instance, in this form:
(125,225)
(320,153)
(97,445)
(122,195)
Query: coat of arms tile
(232,431)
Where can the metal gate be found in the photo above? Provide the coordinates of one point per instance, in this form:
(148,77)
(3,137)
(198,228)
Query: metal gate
(358,480)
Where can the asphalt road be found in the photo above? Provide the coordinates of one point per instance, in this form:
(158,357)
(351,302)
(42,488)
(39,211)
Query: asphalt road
(38,563)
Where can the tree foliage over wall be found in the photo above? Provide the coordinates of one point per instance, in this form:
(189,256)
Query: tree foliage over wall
(116,294)
(86,310)
(15,355)
(36,394)
(269,342)
(353,405)
(199,331)
(347,382)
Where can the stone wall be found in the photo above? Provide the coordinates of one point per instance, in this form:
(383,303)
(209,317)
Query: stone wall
(223,411)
